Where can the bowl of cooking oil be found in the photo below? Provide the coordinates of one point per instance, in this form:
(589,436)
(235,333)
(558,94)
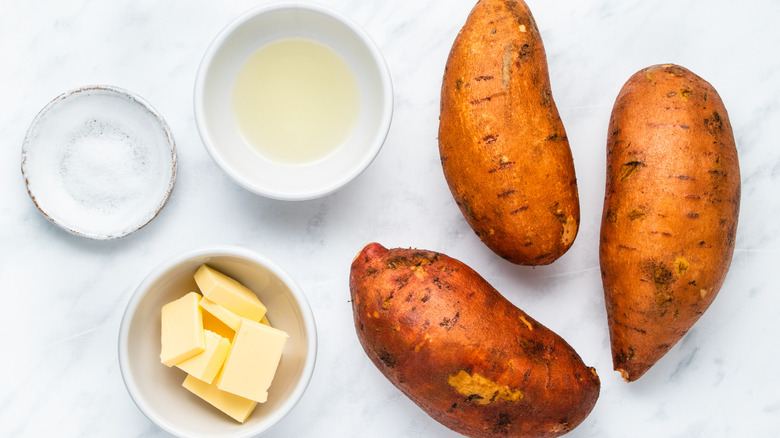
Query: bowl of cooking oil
(293,100)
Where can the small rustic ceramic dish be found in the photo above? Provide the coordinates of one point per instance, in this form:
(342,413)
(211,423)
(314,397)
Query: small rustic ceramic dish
(221,136)
(157,390)
(99,162)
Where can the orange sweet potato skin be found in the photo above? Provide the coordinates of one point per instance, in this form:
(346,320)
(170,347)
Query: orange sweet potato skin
(457,348)
(503,147)
(670,212)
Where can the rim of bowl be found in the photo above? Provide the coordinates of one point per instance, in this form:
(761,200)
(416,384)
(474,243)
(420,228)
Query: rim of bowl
(218,250)
(378,140)
(133,97)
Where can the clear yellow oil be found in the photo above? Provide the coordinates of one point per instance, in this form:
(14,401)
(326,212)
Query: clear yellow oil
(295,100)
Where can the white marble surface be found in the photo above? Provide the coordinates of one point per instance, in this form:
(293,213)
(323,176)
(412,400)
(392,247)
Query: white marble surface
(63,296)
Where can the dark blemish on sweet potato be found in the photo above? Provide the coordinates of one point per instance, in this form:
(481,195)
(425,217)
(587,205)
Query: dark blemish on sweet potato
(659,274)
(636,329)
(487,98)
(692,215)
(448,323)
(483,78)
(685,177)
(611,216)
(675,70)
(516,11)
(636,214)
(415,259)
(630,248)
(518,210)
(621,357)
(425,298)
(543,256)
(458,84)
(546,97)
(489,139)
(714,123)
(388,359)
(628,168)
(465,205)
(503,164)
(730,236)
(371,271)
(693,196)
(685,126)
(524,51)
(560,215)
(684,93)
(506,193)
(503,424)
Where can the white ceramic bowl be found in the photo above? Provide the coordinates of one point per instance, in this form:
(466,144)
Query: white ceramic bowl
(221,136)
(99,162)
(156,389)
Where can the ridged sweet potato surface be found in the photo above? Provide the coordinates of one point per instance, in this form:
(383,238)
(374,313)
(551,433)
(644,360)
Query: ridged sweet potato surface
(503,147)
(670,211)
(462,352)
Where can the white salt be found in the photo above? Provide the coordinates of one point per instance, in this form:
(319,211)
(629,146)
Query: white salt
(104,169)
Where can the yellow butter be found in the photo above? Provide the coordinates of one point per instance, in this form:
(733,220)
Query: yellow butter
(265,321)
(182,330)
(206,365)
(212,323)
(252,361)
(229,318)
(235,406)
(229,293)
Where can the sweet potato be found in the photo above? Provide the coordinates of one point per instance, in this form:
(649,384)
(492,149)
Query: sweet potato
(503,147)
(670,212)
(468,357)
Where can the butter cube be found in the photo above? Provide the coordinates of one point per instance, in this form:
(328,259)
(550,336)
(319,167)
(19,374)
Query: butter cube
(229,293)
(235,406)
(182,330)
(206,365)
(229,318)
(252,361)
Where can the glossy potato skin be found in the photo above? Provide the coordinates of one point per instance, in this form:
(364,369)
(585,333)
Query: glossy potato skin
(503,147)
(424,319)
(670,212)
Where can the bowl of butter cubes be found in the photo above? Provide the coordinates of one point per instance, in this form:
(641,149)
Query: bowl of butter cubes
(217,342)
